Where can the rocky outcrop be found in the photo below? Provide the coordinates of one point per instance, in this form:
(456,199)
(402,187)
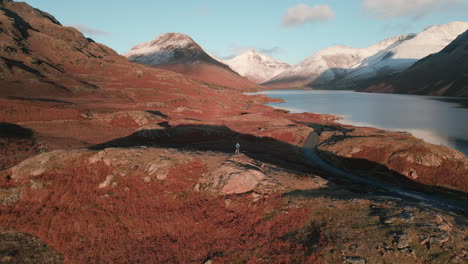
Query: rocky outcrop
(9,196)
(398,158)
(235,175)
(239,174)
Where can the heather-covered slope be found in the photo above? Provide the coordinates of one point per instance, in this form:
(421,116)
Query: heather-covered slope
(442,73)
(39,56)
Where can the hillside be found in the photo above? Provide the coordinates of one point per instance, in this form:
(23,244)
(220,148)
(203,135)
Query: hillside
(443,73)
(180,53)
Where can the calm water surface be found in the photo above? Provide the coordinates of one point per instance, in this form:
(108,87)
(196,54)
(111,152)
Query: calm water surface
(438,120)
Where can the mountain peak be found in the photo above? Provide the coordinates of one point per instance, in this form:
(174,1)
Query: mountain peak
(256,66)
(169,41)
(168,48)
(173,38)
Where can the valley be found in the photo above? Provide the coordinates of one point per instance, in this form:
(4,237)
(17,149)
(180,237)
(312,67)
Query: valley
(107,158)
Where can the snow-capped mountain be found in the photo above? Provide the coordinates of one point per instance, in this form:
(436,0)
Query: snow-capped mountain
(180,53)
(256,67)
(328,64)
(343,67)
(397,58)
(169,48)
(441,73)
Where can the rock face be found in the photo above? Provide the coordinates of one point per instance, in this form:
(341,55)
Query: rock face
(442,73)
(398,158)
(238,175)
(348,68)
(178,52)
(257,67)
(17,247)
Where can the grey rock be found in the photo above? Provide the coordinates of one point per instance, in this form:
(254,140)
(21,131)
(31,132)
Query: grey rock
(238,174)
(401,240)
(353,260)
(10,196)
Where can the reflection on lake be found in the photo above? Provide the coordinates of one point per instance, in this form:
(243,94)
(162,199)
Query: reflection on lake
(438,120)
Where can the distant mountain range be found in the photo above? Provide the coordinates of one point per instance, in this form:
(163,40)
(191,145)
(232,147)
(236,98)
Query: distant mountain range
(338,67)
(329,64)
(257,67)
(180,53)
(342,67)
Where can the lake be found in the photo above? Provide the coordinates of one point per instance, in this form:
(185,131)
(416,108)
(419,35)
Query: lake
(437,120)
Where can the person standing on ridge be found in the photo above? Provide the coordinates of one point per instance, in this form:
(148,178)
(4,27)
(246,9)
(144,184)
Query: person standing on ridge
(237,148)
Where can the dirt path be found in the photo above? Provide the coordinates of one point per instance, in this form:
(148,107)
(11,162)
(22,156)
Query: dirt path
(311,153)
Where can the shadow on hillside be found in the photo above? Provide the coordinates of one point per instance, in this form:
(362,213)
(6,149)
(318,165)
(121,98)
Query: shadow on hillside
(11,63)
(9,130)
(158,113)
(33,99)
(214,138)
(264,149)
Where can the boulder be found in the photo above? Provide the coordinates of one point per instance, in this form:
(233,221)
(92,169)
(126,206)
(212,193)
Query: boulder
(238,174)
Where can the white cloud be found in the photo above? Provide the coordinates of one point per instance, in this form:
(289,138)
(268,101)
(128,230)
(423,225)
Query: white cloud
(89,31)
(302,13)
(404,8)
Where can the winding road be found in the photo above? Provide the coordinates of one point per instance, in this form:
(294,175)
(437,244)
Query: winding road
(312,154)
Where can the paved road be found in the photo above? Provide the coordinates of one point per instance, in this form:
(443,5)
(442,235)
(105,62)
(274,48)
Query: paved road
(311,153)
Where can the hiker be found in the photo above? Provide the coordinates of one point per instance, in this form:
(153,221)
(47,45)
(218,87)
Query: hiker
(237,148)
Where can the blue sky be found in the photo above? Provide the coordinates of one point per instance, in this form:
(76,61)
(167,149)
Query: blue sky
(288,30)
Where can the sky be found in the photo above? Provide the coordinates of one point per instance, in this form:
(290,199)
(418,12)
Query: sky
(288,30)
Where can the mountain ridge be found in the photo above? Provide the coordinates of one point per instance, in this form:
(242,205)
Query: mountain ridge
(350,68)
(442,73)
(329,63)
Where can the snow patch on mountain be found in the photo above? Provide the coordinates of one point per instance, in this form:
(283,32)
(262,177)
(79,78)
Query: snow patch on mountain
(256,67)
(396,58)
(332,63)
(169,48)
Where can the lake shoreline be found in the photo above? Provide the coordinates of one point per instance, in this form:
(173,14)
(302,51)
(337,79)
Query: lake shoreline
(426,117)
